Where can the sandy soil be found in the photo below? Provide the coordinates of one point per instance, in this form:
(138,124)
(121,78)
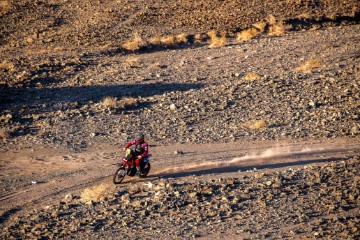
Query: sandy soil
(38,177)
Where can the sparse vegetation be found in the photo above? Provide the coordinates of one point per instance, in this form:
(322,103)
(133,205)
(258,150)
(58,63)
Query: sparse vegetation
(135,43)
(314,27)
(256,125)
(168,40)
(308,65)
(182,38)
(109,102)
(247,34)
(133,62)
(272,19)
(6,118)
(114,103)
(212,34)
(304,15)
(76,96)
(4,135)
(260,26)
(95,193)
(198,38)
(277,27)
(128,102)
(7,66)
(5,6)
(238,93)
(251,76)
(215,40)
(155,40)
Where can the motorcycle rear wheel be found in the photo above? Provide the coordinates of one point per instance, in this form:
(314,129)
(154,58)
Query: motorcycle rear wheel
(119,175)
(145,170)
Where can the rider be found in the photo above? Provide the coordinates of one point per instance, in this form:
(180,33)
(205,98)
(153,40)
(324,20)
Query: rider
(141,149)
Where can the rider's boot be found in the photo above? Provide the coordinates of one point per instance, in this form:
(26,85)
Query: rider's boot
(138,170)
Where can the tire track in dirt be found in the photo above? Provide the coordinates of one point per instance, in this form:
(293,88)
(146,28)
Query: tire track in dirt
(199,160)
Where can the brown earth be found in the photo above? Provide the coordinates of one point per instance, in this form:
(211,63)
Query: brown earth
(257,139)
(192,199)
(62,26)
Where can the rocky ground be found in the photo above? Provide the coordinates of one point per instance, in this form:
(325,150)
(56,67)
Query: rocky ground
(75,26)
(71,96)
(305,202)
(194,95)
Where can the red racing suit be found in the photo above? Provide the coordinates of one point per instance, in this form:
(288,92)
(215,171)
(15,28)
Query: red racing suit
(141,149)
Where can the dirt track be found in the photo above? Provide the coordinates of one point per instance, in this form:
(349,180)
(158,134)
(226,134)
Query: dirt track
(50,176)
(251,164)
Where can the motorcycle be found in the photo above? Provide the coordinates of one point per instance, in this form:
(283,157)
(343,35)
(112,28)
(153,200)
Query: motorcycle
(128,167)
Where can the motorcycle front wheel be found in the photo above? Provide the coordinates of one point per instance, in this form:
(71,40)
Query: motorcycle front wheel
(145,171)
(119,175)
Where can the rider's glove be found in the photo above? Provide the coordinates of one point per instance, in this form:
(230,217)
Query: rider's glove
(139,157)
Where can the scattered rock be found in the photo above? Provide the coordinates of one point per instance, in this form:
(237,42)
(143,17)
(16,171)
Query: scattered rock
(172,107)
(200,207)
(178,152)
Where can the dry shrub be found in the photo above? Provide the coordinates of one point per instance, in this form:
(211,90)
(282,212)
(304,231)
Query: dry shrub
(182,38)
(135,43)
(272,20)
(218,42)
(256,124)
(247,34)
(4,135)
(354,11)
(260,26)
(7,66)
(304,15)
(315,27)
(308,65)
(109,102)
(277,27)
(198,38)
(95,193)
(38,51)
(113,103)
(251,76)
(128,102)
(212,34)
(168,40)
(215,40)
(133,62)
(155,40)
(5,6)
(332,16)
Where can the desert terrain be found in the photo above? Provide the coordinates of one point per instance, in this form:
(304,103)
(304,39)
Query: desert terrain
(251,110)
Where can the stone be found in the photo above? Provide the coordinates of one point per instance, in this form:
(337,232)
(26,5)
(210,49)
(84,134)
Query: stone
(172,107)
(177,152)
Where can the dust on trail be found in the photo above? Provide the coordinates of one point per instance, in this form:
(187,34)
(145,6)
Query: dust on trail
(271,153)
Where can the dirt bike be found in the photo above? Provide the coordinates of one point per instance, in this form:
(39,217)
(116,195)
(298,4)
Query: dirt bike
(128,167)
